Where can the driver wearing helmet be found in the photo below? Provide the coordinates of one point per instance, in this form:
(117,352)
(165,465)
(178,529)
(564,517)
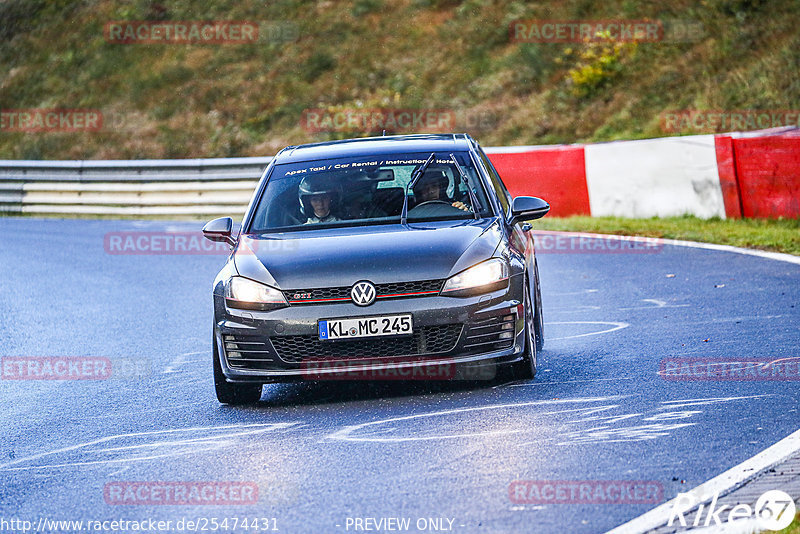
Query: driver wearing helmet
(432,186)
(319,198)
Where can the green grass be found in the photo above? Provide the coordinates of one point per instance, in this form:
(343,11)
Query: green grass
(247,100)
(794,528)
(781,235)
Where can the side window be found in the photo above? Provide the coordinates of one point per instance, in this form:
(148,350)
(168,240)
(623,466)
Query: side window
(497,183)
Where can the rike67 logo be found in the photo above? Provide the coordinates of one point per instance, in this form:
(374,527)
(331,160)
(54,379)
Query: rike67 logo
(774,510)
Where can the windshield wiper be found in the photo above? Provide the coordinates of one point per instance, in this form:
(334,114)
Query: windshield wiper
(414,177)
(472,197)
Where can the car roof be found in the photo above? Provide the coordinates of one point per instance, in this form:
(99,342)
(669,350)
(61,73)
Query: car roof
(366,146)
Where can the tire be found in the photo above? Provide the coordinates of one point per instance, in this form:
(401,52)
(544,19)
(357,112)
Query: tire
(538,319)
(526,369)
(228,393)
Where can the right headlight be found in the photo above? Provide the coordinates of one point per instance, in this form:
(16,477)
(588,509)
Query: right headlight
(249,295)
(481,278)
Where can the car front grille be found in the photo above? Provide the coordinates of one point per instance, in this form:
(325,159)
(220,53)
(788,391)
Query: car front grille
(426,340)
(282,352)
(493,333)
(327,295)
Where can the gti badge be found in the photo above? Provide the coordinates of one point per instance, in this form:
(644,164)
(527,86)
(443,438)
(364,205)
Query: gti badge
(363,293)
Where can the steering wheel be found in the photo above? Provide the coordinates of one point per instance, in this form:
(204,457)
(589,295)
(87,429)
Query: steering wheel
(431,202)
(291,220)
(434,208)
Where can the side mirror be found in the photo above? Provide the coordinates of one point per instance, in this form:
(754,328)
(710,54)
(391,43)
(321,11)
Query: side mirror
(527,209)
(220,230)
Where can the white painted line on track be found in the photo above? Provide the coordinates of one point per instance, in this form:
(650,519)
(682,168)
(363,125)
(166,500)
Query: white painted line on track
(739,319)
(722,484)
(211,441)
(180,379)
(614,327)
(658,305)
(539,383)
(711,400)
(778,256)
(582,292)
(180,360)
(345,434)
(119,471)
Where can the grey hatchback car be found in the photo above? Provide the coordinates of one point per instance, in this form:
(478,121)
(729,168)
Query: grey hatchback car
(398,252)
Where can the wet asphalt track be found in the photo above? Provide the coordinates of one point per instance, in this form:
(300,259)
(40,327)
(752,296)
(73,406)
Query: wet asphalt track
(324,452)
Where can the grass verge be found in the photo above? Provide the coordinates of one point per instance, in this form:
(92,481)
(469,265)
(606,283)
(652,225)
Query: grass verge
(779,235)
(794,528)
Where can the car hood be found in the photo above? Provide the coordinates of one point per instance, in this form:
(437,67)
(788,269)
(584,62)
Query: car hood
(338,257)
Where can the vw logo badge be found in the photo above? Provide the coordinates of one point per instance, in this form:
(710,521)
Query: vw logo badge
(363,293)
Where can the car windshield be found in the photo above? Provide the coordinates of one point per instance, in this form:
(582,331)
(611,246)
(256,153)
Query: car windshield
(360,191)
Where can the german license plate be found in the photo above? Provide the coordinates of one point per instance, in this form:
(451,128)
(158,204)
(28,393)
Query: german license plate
(380,325)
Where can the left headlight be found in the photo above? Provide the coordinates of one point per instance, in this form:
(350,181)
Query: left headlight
(247,294)
(482,278)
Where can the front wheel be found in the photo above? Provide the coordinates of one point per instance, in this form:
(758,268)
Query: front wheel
(526,369)
(538,320)
(228,393)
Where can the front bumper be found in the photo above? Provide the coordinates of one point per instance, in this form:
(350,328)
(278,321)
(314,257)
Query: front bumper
(283,345)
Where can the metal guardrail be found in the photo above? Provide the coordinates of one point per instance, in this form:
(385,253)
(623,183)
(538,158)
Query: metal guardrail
(191,187)
(133,188)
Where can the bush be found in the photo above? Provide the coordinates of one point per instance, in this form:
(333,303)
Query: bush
(599,62)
